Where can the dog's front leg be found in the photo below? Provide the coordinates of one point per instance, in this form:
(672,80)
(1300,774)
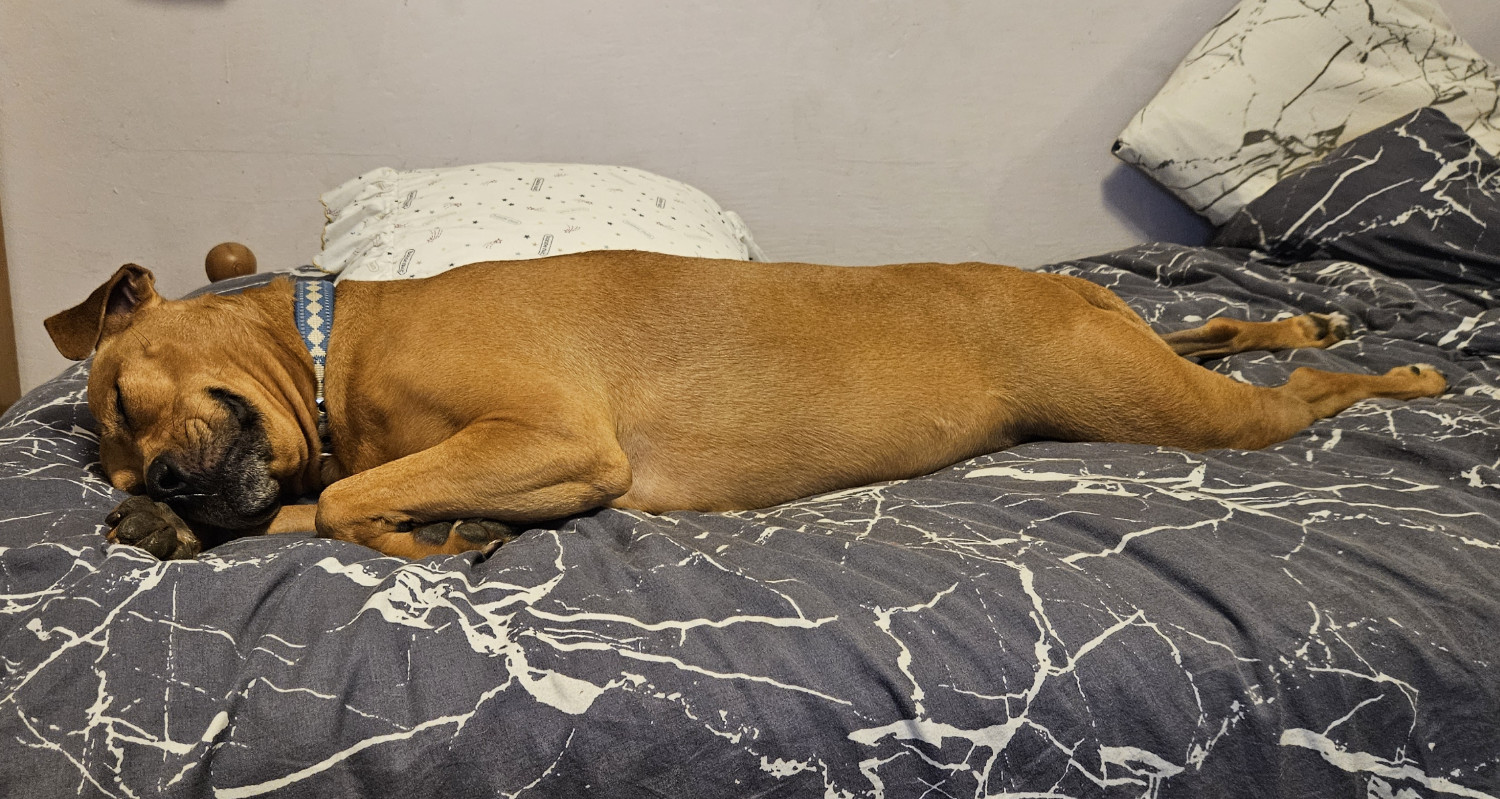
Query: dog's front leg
(492,473)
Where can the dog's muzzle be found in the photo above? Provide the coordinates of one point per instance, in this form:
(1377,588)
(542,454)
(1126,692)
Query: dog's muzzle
(226,482)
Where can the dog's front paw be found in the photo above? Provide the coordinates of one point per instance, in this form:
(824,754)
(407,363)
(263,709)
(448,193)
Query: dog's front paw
(485,534)
(154,527)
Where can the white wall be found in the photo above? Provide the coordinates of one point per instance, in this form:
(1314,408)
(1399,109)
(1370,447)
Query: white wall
(843,131)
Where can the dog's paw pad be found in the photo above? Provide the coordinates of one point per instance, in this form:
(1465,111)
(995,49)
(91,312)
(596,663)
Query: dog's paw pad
(435,534)
(1329,328)
(479,532)
(485,531)
(153,527)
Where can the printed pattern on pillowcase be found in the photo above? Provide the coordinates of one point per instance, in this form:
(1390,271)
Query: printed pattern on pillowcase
(393,225)
(1419,187)
(1278,84)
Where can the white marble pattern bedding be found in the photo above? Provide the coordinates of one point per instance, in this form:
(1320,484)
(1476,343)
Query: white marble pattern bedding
(1058,620)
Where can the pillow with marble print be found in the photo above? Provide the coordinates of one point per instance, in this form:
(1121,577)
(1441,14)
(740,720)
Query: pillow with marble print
(1417,198)
(1278,84)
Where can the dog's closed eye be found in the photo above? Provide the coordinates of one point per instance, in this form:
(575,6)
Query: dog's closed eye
(120,408)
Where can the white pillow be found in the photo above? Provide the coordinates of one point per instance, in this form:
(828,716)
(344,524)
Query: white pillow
(1278,84)
(390,225)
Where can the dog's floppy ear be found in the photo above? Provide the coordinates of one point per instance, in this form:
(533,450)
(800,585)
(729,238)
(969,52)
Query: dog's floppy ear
(77,331)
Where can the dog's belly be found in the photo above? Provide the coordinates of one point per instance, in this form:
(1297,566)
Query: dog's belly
(741,470)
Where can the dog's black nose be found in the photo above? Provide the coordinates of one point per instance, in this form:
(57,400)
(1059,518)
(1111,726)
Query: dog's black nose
(164,480)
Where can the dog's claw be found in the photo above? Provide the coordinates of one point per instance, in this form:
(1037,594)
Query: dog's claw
(154,527)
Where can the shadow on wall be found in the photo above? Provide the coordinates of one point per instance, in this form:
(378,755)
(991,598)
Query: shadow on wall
(1150,211)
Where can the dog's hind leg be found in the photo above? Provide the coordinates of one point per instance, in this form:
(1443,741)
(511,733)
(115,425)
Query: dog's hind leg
(1136,390)
(1220,337)
(1327,393)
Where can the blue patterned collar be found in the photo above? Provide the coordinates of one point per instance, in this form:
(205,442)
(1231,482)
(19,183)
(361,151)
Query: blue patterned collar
(312,299)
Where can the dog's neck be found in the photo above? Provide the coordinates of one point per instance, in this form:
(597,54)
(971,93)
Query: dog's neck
(265,315)
(312,304)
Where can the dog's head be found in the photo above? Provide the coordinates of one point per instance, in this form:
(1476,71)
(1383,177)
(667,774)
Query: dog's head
(197,402)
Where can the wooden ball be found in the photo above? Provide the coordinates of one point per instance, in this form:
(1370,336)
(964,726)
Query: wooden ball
(230,259)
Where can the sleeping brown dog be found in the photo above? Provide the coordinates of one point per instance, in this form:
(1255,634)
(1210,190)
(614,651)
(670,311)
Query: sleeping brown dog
(464,406)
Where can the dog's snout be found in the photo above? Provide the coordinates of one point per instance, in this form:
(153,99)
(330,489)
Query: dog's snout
(165,480)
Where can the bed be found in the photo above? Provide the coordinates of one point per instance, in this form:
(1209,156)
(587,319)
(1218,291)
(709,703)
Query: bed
(1058,619)
(1055,620)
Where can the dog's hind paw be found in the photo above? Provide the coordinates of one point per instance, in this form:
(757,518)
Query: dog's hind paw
(154,527)
(1326,329)
(1416,380)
